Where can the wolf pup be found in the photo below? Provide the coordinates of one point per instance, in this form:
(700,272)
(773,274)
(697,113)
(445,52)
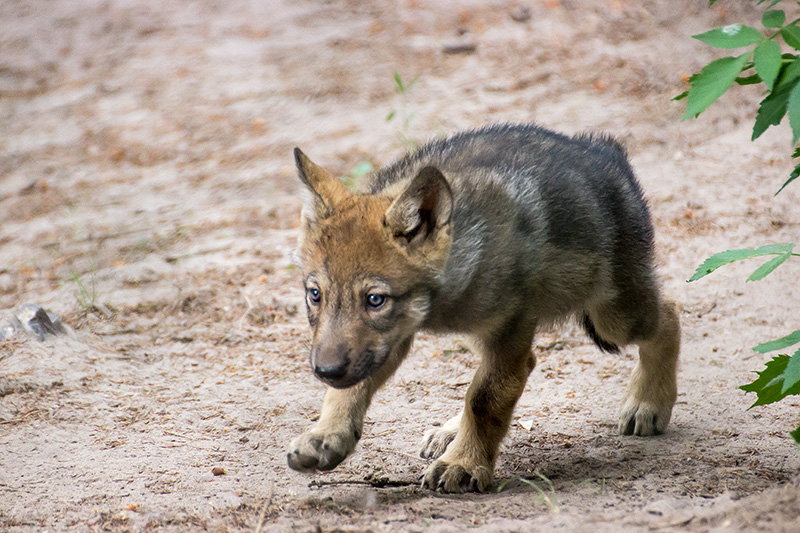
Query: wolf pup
(491,233)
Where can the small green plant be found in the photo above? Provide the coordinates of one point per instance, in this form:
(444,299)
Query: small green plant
(403,90)
(597,484)
(86,297)
(780,73)
(142,247)
(548,500)
(352,180)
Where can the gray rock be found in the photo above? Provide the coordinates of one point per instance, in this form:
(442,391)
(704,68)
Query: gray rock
(8,327)
(32,319)
(520,14)
(460,47)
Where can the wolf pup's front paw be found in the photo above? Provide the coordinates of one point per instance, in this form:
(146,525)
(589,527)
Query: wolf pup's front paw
(457,477)
(318,450)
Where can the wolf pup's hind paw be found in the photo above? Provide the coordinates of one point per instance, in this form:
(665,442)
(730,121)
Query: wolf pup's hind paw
(436,440)
(643,419)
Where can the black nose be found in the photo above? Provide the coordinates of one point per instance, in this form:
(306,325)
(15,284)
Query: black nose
(331,371)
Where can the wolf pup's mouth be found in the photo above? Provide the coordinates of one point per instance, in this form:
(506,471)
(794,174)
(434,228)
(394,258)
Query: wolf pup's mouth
(343,383)
(363,367)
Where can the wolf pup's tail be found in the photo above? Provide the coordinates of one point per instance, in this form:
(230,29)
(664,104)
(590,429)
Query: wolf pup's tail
(604,345)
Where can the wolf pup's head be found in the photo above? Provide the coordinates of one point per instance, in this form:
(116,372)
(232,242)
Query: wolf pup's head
(370,264)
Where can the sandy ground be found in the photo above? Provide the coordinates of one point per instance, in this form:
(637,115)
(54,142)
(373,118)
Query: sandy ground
(148,197)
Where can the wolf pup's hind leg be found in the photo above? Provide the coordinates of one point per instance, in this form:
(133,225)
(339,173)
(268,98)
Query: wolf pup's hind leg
(653,325)
(652,390)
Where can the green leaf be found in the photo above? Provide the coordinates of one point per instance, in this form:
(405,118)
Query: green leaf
(712,82)
(681,96)
(391,115)
(729,256)
(767,268)
(749,80)
(791,72)
(769,385)
(793,110)
(770,112)
(791,376)
(731,36)
(796,435)
(791,34)
(767,60)
(773,107)
(401,88)
(773,18)
(779,344)
(793,176)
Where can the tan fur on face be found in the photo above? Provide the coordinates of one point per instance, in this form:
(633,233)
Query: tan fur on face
(349,254)
(353,240)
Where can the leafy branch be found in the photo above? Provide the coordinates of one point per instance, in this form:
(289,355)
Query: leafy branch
(782,252)
(780,73)
(781,377)
(764,63)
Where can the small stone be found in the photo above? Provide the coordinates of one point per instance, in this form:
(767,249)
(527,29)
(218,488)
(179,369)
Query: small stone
(118,155)
(465,47)
(38,321)
(218,471)
(259,124)
(520,14)
(33,319)
(9,327)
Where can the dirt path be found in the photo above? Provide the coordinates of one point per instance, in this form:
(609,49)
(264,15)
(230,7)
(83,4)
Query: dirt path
(148,197)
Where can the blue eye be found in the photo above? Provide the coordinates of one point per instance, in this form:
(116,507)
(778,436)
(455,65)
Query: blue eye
(375,301)
(314,295)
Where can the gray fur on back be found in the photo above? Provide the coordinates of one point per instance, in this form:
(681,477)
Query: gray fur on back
(562,219)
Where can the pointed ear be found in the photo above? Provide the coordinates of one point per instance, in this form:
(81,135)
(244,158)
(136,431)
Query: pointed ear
(423,208)
(324,191)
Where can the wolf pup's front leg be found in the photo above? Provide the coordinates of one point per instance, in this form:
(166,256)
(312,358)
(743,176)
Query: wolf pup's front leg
(336,433)
(341,421)
(369,263)
(506,362)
